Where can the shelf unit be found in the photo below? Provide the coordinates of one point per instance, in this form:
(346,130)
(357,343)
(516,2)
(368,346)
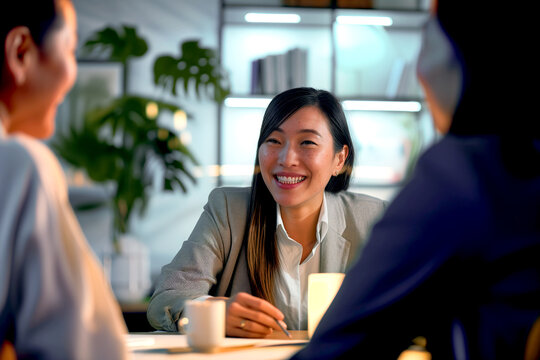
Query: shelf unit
(371,68)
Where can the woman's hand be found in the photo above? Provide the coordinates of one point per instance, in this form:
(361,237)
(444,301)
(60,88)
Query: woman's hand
(250,316)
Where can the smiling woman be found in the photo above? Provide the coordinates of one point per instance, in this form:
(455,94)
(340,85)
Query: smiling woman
(298,159)
(256,246)
(304,135)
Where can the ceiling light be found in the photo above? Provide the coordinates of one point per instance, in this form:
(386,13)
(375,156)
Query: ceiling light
(272,18)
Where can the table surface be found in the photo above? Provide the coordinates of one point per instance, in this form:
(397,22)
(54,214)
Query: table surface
(161,345)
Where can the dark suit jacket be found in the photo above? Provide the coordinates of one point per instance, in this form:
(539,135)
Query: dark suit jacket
(456,258)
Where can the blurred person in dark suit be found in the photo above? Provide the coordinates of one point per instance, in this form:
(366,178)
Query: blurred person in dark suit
(456,257)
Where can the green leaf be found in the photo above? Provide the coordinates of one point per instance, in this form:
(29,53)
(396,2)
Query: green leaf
(117,142)
(121,141)
(118,44)
(198,67)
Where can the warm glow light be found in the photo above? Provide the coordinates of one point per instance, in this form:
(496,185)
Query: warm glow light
(185,138)
(78,178)
(236,170)
(247,102)
(364,105)
(213,170)
(152,110)
(163,134)
(224,170)
(414,355)
(322,288)
(173,143)
(272,18)
(364,20)
(180,120)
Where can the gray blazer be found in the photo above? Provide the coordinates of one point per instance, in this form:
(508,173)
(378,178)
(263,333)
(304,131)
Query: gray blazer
(212,261)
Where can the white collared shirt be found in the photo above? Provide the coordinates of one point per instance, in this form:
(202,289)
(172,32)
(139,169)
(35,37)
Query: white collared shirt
(291,283)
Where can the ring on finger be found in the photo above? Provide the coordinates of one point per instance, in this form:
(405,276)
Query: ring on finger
(242,324)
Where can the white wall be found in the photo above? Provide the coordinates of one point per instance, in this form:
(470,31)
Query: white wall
(164,24)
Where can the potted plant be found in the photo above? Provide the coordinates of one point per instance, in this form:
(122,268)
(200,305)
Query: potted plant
(122,144)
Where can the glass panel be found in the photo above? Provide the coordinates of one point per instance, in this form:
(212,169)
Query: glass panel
(378,61)
(371,63)
(386,144)
(239,137)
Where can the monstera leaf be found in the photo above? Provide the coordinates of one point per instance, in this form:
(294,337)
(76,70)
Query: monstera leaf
(198,67)
(121,143)
(119,45)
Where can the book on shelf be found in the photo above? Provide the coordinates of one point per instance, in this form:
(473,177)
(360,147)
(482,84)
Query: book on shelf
(298,67)
(269,83)
(282,70)
(256,66)
(275,73)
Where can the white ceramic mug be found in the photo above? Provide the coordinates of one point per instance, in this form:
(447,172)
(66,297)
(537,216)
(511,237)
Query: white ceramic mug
(204,324)
(322,288)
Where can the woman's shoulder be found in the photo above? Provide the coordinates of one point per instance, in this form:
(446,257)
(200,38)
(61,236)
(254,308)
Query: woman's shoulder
(231,198)
(348,207)
(230,192)
(354,200)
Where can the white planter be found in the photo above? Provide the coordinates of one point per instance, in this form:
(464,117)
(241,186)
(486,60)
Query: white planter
(129,270)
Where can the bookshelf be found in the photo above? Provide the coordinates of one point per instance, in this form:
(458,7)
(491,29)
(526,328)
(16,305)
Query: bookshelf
(371,68)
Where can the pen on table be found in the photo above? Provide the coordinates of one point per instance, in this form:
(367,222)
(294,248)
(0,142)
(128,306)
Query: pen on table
(283,329)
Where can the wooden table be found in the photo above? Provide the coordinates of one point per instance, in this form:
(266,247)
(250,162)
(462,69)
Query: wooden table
(161,345)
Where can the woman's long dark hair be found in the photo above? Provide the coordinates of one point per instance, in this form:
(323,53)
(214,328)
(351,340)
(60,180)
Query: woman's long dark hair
(262,254)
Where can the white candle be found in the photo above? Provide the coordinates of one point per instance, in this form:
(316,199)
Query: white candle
(322,288)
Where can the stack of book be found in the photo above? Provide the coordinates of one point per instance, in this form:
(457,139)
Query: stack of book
(275,73)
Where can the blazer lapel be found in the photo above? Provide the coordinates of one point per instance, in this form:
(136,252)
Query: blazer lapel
(334,248)
(334,252)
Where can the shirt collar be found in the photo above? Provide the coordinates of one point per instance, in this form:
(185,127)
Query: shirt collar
(322,222)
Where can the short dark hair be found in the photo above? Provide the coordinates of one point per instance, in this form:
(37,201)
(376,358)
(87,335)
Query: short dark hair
(39,16)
